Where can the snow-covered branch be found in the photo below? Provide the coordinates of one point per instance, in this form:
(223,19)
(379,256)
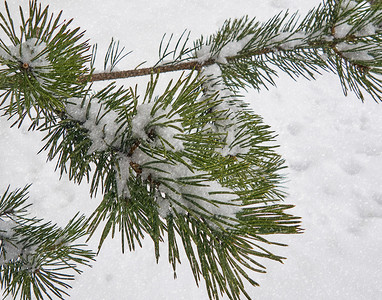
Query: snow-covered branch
(37,258)
(341,36)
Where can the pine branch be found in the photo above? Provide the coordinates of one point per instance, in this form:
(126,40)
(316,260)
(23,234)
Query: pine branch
(41,66)
(193,162)
(247,51)
(198,65)
(37,258)
(194,173)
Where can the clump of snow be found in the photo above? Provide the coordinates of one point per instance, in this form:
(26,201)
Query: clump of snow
(208,197)
(102,126)
(204,53)
(32,54)
(367,30)
(12,247)
(181,188)
(211,199)
(162,125)
(76,109)
(342,30)
(100,122)
(355,51)
(230,49)
(8,250)
(3,54)
(227,125)
(328,38)
(348,4)
(213,83)
(141,120)
(62,240)
(123,174)
(288,40)
(324,56)
(232,147)
(359,51)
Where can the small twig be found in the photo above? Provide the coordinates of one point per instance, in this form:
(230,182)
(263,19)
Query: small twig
(136,167)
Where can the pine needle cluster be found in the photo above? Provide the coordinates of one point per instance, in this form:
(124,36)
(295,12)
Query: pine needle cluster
(37,258)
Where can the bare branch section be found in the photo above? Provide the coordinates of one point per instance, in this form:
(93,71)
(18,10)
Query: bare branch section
(193,65)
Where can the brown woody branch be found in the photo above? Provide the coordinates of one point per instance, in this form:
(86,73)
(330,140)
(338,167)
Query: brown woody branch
(193,65)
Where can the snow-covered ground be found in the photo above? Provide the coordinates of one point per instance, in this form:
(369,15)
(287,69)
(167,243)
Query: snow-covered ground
(332,145)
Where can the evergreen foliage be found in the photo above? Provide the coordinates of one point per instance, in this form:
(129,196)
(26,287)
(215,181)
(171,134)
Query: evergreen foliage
(43,62)
(37,259)
(343,37)
(191,165)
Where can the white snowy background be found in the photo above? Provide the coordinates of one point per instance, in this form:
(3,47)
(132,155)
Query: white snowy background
(332,145)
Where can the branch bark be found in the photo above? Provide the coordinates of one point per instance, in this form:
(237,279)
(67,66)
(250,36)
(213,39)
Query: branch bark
(197,65)
(193,65)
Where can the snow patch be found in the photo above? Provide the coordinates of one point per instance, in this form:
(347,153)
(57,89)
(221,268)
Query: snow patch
(99,121)
(367,30)
(182,188)
(355,52)
(32,54)
(8,250)
(227,125)
(158,126)
(348,4)
(230,49)
(289,40)
(123,174)
(210,198)
(204,53)
(342,30)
